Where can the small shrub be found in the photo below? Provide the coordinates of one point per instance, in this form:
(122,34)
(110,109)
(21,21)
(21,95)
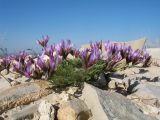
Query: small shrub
(53,63)
(68,73)
(71,73)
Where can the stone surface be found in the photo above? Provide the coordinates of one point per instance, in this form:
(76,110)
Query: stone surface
(40,111)
(112,84)
(143,87)
(131,77)
(4,84)
(116,84)
(28,112)
(151,74)
(156,62)
(146,109)
(23,94)
(147,97)
(74,109)
(154,52)
(46,111)
(106,105)
(14,83)
(4,72)
(147,91)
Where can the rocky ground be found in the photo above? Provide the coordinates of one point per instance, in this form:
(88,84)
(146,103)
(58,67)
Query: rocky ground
(132,94)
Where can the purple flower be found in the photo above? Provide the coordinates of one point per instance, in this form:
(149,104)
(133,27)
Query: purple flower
(135,56)
(84,54)
(23,54)
(59,48)
(58,59)
(97,44)
(118,57)
(146,58)
(21,57)
(49,50)
(63,49)
(108,46)
(94,55)
(90,56)
(76,53)
(52,64)
(117,47)
(41,63)
(127,50)
(6,60)
(6,63)
(17,67)
(28,70)
(108,50)
(44,41)
(127,53)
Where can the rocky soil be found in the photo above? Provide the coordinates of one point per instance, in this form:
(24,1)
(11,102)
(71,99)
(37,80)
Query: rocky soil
(132,94)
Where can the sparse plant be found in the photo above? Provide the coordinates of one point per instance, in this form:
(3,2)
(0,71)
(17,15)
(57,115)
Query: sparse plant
(52,63)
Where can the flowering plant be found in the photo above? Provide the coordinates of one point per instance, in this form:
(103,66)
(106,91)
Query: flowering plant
(90,56)
(91,61)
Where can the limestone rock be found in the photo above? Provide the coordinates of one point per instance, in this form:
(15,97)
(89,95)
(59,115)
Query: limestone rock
(52,98)
(74,109)
(14,83)
(29,112)
(72,90)
(147,98)
(154,52)
(46,111)
(112,84)
(146,109)
(41,111)
(105,105)
(4,72)
(23,94)
(148,94)
(116,84)
(4,84)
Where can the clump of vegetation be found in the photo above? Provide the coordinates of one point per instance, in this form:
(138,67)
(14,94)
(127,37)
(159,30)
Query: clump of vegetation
(72,73)
(53,63)
(68,73)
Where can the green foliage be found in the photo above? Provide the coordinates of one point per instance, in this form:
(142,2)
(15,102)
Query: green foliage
(71,73)
(68,73)
(93,72)
(76,63)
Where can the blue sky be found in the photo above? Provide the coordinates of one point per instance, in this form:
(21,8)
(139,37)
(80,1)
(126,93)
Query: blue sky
(22,22)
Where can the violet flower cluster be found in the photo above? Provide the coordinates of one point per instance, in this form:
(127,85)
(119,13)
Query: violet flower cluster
(46,63)
(90,56)
(115,52)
